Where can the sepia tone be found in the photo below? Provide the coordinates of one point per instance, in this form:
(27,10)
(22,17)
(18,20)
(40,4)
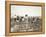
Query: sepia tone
(30,25)
(25,24)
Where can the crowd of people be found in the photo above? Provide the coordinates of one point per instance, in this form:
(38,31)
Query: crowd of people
(27,23)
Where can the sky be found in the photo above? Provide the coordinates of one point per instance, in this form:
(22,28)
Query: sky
(22,10)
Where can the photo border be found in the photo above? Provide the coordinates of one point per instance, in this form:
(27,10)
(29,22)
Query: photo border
(8,15)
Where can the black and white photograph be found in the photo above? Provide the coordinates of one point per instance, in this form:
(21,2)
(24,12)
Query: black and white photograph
(26,18)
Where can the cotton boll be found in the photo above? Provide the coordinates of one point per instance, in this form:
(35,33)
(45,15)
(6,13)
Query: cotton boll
(12,29)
